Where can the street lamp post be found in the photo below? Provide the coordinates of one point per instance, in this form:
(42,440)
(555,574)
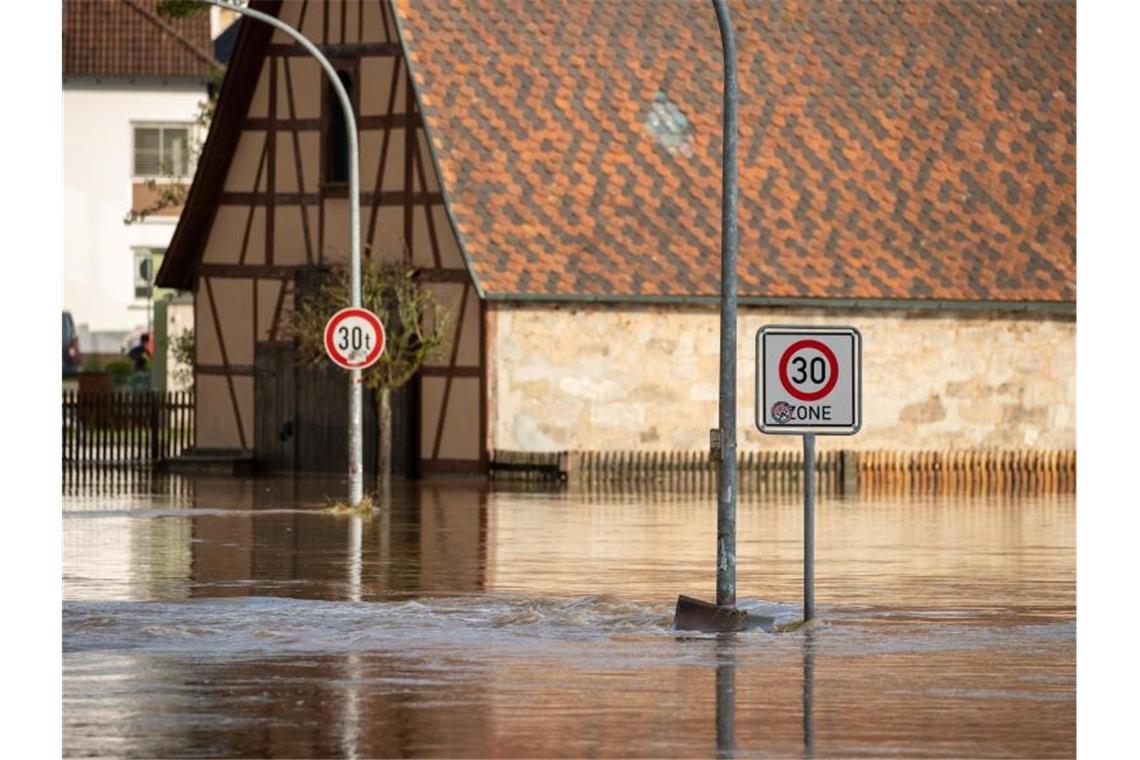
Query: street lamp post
(729,240)
(355,389)
(693,614)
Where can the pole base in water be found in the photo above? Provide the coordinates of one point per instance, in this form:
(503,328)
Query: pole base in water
(695,615)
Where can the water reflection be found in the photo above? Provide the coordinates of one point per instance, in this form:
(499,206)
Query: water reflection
(725,696)
(239,618)
(809,686)
(726,651)
(416,546)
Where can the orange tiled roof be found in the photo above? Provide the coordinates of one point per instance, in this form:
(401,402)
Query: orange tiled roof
(128,38)
(894,150)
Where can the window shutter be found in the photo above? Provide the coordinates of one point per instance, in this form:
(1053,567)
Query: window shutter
(147,158)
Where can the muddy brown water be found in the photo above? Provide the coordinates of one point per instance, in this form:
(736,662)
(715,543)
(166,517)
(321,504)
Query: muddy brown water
(234,617)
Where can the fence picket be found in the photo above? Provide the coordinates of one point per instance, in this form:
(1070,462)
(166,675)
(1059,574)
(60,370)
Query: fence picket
(138,426)
(160,439)
(102,415)
(121,429)
(66,425)
(84,430)
(125,424)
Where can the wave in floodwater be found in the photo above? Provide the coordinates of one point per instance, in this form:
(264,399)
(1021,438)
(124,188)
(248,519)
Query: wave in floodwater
(261,626)
(255,623)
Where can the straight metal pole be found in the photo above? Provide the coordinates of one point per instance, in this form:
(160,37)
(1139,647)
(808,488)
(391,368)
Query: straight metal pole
(355,390)
(809,527)
(729,239)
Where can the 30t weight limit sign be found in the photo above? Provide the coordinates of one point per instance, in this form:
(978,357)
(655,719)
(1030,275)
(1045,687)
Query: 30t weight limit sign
(354,338)
(808,380)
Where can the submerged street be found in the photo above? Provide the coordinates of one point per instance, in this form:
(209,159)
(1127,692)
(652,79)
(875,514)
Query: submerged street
(241,617)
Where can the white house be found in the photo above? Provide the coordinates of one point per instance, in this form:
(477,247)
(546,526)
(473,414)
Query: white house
(133,85)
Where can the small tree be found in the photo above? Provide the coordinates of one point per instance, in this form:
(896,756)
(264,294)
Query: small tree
(182,351)
(415,324)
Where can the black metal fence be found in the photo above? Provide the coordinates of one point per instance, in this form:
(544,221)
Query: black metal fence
(118,427)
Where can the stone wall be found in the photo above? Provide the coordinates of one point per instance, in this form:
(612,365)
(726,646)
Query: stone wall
(645,378)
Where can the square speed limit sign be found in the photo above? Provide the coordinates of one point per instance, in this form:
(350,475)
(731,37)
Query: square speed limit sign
(809,380)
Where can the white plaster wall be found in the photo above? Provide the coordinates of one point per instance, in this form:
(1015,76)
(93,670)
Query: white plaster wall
(98,282)
(605,378)
(179,317)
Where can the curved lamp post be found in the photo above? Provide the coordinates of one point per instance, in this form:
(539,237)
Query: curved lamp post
(729,239)
(355,394)
(693,614)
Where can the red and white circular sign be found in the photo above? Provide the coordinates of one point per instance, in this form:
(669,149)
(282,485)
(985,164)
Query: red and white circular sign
(808,370)
(354,338)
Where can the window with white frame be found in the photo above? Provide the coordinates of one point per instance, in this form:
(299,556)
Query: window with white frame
(162,150)
(146,263)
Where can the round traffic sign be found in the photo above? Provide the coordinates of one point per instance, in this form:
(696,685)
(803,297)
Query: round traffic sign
(815,370)
(354,338)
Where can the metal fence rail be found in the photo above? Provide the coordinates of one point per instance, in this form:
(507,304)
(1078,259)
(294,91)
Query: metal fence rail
(123,427)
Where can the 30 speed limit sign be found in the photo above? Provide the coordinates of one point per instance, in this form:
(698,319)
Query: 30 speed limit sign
(354,338)
(809,380)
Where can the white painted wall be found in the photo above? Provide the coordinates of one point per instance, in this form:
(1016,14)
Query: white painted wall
(98,282)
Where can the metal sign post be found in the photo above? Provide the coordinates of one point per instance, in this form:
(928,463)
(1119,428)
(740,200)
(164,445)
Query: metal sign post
(355,390)
(809,526)
(809,382)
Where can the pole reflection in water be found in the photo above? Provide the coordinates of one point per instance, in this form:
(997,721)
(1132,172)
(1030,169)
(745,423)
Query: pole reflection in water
(350,728)
(809,678)
(726,695)
(355,560)
(726,656)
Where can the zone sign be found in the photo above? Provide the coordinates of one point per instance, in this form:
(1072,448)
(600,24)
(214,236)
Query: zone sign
(809,380)
(354,338)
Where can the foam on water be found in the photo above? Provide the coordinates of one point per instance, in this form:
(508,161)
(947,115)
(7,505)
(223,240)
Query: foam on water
(251,626)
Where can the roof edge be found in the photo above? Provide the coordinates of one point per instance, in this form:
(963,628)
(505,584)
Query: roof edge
(884,304)
(479,289)
(184,253)
(163,81)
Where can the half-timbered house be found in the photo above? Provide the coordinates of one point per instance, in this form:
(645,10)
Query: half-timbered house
(553,169)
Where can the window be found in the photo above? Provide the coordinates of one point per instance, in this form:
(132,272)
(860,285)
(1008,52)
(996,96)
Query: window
(146,263)
(162,150)
(336,143)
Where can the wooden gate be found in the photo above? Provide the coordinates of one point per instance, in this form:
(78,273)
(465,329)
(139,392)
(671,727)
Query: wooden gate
(302,417)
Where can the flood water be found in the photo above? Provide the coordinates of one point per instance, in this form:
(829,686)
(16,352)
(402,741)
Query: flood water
(230,617)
